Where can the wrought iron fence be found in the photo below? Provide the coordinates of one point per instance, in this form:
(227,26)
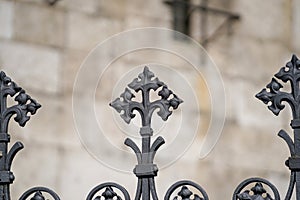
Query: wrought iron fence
(146,170)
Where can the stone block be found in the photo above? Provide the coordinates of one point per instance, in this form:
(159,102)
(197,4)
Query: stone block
(58,5)
(6,19)
(39,24)
(295,40)
(68,132)
(267,20)
(89,7)
(84,32)
(225,5)
(155,8)
(244,109)
(36,165)
(248,148)
(133,21)
(95,75)
(54,156)
(257,59)
(72,60)
(114,9)
(80,172)
(53,124)
(33,67)
(45,126)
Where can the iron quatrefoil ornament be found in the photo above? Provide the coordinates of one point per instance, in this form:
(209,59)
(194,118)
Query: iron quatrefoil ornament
(146,170)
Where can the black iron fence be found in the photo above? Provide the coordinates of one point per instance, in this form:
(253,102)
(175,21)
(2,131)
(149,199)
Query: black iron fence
(146,170)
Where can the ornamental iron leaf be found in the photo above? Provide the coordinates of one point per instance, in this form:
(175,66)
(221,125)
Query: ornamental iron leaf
(273,97)
(186,194)
(8,87)
(257,192)
(291,72)
(38,196)
(25,103)
(110,194)
(123,104)
(145,82)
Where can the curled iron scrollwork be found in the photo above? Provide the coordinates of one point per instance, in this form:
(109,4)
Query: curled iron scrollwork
(288,76)
(185,193)
(22,108)
(257,192)
(108,193)
(25,104)
(38,193)
(272,94)
(145,169)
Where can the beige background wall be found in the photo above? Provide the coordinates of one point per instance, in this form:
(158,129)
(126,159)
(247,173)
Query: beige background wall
(42,47)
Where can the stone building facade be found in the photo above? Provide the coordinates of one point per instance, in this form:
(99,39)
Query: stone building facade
(42,48)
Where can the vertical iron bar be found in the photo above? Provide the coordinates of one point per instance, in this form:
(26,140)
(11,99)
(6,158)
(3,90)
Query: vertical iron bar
(4,192)
(297,154)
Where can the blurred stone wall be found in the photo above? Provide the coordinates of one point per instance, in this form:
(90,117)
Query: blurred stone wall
(42,48)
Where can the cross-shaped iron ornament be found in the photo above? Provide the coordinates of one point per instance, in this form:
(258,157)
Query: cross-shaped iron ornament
(273,97)
(146,170)
(25,105)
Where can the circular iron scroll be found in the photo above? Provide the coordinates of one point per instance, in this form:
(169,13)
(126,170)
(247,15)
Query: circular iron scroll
(98,188)
(247,182)
(36,190)
(178,184)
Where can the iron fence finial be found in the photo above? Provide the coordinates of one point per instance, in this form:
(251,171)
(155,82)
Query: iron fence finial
(274,97)
(145,170)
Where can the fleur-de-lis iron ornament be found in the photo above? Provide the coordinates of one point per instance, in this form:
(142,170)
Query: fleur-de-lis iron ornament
(146,170)
(273,97)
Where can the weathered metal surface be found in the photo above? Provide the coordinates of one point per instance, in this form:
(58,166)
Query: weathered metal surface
(146,170)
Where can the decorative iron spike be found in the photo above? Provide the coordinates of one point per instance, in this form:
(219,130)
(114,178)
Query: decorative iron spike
(24,105)
(109,193)
(273,97)
(38,196)
(185,193)
(145,170)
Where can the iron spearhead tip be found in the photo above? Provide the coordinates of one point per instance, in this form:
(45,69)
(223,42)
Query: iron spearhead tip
(294,58)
